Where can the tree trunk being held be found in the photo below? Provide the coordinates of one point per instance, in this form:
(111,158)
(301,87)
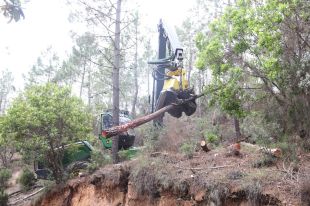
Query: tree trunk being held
(142,120)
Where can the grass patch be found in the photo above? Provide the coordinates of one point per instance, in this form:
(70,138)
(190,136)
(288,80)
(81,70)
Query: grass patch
(268,160)
(253,193)
(188,148)
(235,175)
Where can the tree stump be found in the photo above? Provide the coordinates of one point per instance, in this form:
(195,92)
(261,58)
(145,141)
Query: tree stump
(204,146)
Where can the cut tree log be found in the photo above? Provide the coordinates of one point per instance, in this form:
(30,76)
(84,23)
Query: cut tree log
(204,146)
(234,149)
(276,152)
(110,132)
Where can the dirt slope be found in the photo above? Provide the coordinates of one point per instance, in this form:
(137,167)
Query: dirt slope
(167,179)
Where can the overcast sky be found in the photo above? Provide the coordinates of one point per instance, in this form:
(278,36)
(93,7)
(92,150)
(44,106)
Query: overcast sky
(46,24)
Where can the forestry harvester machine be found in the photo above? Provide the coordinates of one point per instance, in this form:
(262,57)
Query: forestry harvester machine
(170,87)
(170,84)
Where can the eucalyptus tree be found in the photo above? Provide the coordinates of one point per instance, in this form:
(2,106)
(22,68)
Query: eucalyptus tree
(260,51)
(43,119)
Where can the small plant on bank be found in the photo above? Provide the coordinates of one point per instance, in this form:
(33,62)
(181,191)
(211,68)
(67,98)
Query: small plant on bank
(27,179)
(187,148)
(211,137)
(253,193)
(4,198)
(268,160)
(289,150)
(98,159)
(5,175)
(127,154)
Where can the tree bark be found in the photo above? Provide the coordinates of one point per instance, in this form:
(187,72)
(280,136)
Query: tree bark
(89,87)
(83,77)
(237,128)
(142,120)
(135,97)
(115,76)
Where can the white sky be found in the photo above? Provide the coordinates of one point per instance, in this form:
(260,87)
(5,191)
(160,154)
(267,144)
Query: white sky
(46,24)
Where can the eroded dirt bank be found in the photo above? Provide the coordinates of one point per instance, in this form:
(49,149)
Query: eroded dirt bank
(113,186)
(165,179)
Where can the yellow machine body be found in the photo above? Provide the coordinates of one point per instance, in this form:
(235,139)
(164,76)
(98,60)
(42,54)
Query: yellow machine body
(176,88)
(174,82)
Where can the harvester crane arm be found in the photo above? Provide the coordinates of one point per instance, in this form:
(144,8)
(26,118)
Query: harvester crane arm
(170,82)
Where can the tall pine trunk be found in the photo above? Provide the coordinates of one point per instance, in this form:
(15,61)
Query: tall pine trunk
(115,77)
(135,97)
(83,78)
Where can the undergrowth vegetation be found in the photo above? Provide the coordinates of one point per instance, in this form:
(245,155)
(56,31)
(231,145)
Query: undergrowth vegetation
(5,175)
(27,179)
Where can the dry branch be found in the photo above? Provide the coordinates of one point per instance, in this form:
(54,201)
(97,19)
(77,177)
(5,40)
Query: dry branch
(142,120)
(202,168)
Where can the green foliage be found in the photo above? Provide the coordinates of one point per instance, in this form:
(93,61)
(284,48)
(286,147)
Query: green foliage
(211,137)
(249,51)
(27,179)
(5,175)
(187,148)
(44,118)
(4,198)
(8,145)
(289,149)
(99,159)
(127,154)
(259,129)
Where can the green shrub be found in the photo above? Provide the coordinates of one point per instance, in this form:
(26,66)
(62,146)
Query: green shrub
(4,198)
(98,159)
(127,154)
(211,137)
(5,175)
(259,129)
(187,148)
(288,150)
(27,179)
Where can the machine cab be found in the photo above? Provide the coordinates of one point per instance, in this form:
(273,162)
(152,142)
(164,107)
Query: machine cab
(126,139)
